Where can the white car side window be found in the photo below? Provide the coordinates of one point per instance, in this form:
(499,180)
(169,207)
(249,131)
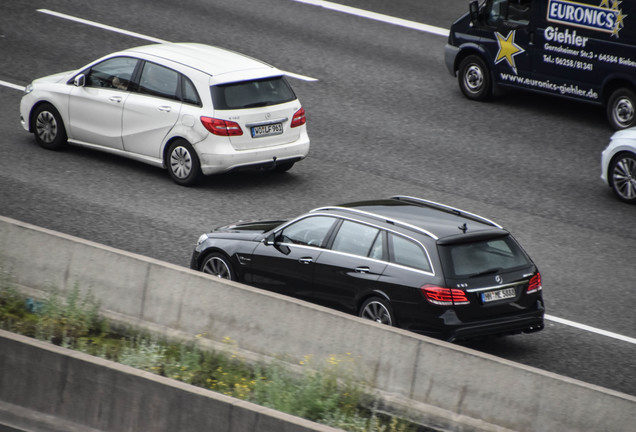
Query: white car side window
(112,73)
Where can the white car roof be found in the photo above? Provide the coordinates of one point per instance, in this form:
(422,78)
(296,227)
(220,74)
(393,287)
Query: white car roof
(211,60)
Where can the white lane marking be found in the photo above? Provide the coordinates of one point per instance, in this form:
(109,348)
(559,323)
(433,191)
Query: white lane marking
(377,17)
(102,26)
(138,35)
(10,85)
(591,329)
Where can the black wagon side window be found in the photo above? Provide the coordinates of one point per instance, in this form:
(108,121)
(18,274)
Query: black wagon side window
(408,253)
(355,238)
(114,73)
(159,81)
(310,231)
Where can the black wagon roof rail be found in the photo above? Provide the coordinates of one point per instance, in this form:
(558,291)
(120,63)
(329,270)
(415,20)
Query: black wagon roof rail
(392,221)
(445,208)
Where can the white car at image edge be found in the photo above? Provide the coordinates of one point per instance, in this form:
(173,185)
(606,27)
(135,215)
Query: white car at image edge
(618,164)
(191,108)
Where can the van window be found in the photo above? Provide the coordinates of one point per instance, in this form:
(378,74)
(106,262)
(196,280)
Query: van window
(516,12)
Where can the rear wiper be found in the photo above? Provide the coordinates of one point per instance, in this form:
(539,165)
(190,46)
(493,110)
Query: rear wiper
(257,104)
(485,272)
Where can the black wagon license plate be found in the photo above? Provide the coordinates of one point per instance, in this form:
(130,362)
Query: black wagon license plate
(501,294)
(267,130)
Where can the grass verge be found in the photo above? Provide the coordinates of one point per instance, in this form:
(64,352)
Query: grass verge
(318,394)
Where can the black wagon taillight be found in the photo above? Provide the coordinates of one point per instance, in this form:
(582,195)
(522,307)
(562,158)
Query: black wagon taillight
(442,296)
(535,284)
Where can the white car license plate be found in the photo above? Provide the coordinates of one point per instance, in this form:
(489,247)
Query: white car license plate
(502,294)
(267,130)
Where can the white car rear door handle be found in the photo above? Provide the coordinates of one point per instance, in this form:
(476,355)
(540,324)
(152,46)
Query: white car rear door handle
(165,108)
(117,99)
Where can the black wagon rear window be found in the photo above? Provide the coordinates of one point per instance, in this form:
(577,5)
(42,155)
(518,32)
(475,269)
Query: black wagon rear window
(465,260)
(252,94)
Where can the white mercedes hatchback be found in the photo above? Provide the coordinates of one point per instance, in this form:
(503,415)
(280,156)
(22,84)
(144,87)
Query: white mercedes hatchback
(191,108)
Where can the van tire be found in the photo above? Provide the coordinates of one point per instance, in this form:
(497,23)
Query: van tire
(620,108)
(474,78)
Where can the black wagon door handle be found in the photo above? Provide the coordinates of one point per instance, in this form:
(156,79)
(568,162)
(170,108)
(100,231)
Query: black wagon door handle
(306,260)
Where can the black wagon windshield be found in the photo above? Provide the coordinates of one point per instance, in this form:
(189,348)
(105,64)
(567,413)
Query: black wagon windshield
(466,260)
(252,94)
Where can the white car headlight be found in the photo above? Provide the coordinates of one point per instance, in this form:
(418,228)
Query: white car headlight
(28,89)
(203,238)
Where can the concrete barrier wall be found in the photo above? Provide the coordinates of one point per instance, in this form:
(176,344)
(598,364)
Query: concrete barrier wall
(447,383)
(88,393)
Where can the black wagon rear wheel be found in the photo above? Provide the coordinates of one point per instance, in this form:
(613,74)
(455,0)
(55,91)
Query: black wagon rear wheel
(377,309)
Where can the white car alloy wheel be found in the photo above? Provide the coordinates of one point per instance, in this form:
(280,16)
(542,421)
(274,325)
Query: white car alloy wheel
(183,163)
(48,127)
(623,176)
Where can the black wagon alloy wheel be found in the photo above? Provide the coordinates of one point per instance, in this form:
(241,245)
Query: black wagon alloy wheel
(183,163)
(378,310)
(623,177)
(48,127)
(216,264)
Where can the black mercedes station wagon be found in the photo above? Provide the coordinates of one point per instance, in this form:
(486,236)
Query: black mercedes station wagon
(403,261)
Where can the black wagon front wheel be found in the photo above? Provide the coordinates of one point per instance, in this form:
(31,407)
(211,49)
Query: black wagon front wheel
(217,264)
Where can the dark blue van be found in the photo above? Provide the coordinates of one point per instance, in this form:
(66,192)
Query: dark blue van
(582,50)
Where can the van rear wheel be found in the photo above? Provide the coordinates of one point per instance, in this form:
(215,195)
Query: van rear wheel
(474,78)
(620,109)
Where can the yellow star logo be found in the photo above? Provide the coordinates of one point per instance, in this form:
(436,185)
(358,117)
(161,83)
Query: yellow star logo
(605,3)
(619,19)
(508,49)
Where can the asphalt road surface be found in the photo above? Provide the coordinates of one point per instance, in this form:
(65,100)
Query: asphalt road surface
(384,117)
